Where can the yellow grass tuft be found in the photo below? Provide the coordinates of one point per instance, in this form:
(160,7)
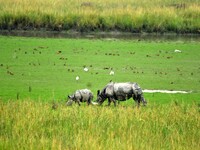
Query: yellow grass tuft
(34,125)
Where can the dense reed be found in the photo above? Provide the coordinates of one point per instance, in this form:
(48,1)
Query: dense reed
(34,125)
(102,15)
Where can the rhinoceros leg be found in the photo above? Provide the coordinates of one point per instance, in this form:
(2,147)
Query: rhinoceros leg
(78,101)
(138,103)
(89,101)
(136,99)
(140,99)
(109,101)
(114,101)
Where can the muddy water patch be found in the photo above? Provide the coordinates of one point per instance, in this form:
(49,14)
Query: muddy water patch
(166,91)
(112,35)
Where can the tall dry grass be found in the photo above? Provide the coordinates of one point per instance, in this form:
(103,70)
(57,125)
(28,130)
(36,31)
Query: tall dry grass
(102,15)
(34,125)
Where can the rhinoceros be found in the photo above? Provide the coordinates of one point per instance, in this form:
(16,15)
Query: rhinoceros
(82,95)
(120,91)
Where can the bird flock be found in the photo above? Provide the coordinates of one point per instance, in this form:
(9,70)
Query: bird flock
(112,73)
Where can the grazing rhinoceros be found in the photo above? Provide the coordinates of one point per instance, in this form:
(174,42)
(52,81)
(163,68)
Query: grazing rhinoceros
(121,92)
(83,95)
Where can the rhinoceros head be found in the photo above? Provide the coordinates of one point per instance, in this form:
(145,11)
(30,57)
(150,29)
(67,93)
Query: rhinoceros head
(101,97)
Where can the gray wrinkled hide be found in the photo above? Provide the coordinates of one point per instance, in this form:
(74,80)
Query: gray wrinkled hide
(121,91)
(83,95)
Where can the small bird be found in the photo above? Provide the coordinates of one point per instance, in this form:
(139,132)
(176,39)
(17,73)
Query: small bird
(77,78)
(86,69)
(177,51)
(112,73)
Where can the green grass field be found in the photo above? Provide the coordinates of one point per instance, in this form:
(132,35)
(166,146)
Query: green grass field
(179,16)
(38,71)
(45,69)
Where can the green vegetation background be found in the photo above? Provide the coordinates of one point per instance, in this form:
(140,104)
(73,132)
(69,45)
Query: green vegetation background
(179,16)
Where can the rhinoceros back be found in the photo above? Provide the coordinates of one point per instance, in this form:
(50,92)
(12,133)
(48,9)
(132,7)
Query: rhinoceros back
(109,90)
(83,94)
(126,90)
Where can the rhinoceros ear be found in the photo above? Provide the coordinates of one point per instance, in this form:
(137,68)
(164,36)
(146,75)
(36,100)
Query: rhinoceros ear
(98,92)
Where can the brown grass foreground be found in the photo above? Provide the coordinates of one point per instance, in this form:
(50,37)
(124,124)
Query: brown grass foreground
(102,15)
(34,125)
